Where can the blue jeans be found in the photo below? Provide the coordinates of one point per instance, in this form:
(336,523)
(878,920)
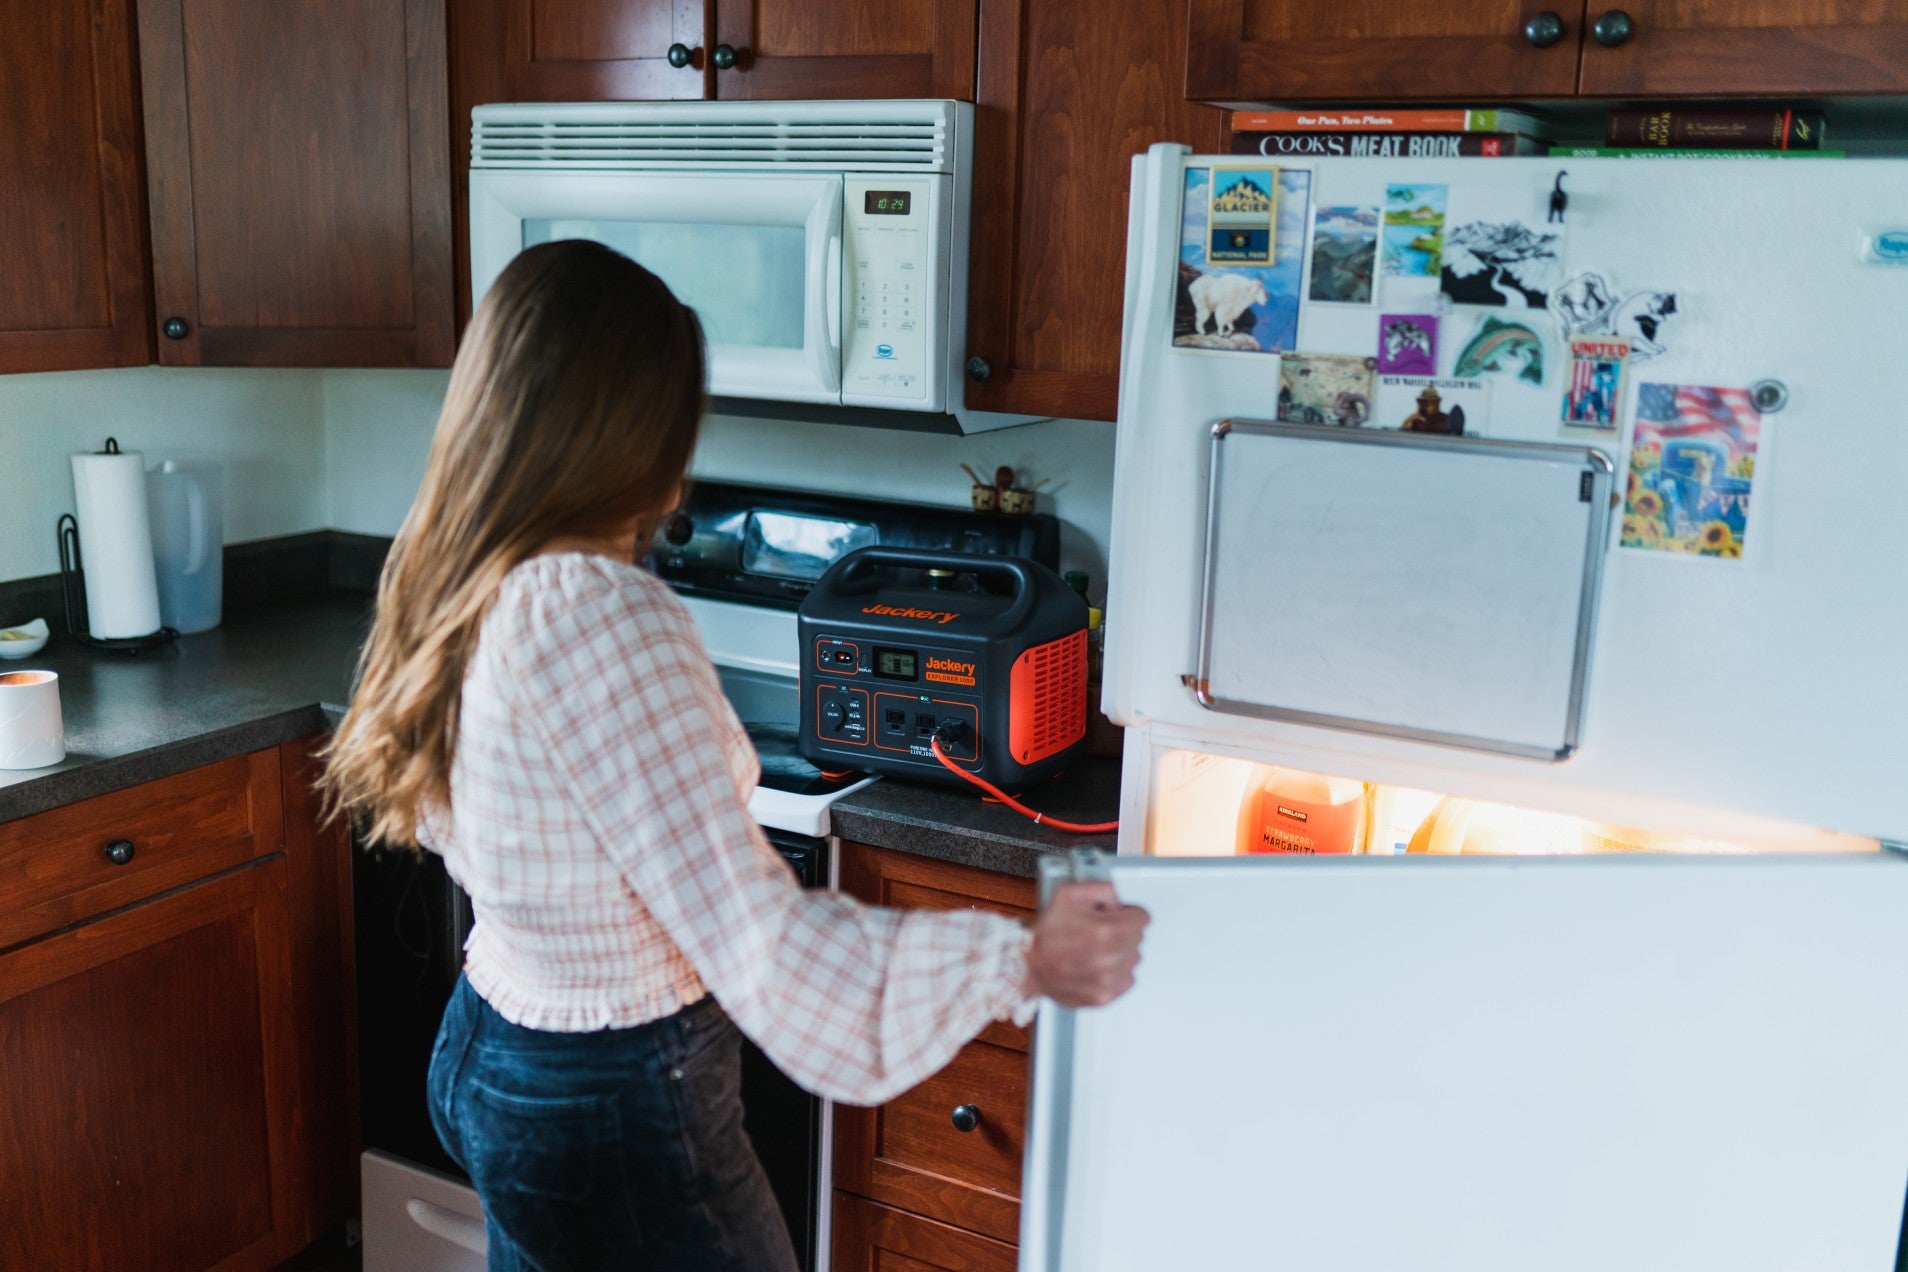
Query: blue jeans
(619,1149)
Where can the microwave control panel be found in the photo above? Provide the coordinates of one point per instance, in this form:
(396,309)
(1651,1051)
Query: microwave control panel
(890,289)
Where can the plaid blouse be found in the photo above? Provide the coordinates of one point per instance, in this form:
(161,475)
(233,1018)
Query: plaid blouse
(598,819)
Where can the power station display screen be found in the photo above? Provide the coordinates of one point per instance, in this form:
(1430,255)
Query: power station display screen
(896,664)
(886,202)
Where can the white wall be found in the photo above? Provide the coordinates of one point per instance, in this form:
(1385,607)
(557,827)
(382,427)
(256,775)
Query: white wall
(378,426)
(267,427)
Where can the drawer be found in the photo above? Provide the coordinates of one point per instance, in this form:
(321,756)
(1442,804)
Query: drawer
(909,1152)
(872,1238)
(55,869)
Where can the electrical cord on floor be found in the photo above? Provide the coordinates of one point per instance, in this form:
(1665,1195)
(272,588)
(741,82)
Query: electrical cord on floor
(1039,818)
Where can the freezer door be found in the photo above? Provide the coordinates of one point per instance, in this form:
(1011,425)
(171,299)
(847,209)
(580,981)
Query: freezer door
(1654,1064)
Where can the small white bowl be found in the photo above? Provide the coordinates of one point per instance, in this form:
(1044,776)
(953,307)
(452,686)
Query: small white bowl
(23,641)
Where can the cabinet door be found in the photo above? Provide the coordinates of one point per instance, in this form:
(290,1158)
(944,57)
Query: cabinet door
(598,50)
(913,1152)
(1069,92)
(1767,47)
(871,1238)
(1381,50)
(145,1121)
(73,273)
(792,49)
(299,176)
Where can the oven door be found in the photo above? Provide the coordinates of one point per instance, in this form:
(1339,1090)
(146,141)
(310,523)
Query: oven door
(756,255)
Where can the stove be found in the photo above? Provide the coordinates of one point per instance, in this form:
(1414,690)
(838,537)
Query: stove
(743,557)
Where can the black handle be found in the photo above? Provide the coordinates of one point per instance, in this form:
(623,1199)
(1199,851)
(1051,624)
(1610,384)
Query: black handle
(854,573)
(1612,28)
(174,328)
(966,1117)
(979,368)
(680,55)
(1543,29)
(120,851)
(723,57)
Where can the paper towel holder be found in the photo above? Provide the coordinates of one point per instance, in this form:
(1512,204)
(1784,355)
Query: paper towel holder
(73,592)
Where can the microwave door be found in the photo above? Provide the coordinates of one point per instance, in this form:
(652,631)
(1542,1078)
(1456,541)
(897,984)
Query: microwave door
(756,255)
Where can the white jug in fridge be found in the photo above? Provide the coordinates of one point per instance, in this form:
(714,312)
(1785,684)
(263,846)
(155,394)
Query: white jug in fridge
(187,502)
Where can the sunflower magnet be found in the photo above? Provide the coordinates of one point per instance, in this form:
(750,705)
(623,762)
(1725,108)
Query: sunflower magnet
(1692,472)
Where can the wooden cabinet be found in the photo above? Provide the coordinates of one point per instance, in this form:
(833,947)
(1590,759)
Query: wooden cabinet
(578,51)
(1481,50)
(1376,50)
(299,181)
(72,210)
(1069,91)
(791,49)
(934,1175)
(871,1238)
(174,1055)
(1777,48)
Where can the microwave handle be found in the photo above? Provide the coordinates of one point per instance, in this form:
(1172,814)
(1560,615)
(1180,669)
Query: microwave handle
(824,298)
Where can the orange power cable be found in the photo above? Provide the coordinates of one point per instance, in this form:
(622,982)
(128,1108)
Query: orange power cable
(1041,819)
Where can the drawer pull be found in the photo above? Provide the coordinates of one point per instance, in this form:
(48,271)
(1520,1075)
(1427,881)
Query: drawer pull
(966,1117)
(120,851)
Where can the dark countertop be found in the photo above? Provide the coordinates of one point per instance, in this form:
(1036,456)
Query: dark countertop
(963,826)
(260,679)
(272,674)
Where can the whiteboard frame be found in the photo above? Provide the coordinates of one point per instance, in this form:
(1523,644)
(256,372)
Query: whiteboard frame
(1596,465)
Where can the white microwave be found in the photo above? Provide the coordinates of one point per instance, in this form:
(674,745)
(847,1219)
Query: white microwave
(823,244)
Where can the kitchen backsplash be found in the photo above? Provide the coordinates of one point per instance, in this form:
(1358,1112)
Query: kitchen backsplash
(368,432)
(266,427)
(378,427)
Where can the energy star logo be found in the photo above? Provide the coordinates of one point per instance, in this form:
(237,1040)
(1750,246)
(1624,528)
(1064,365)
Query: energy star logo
(884,351)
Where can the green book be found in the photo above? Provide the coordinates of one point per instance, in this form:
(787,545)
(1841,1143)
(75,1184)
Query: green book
(1608,152)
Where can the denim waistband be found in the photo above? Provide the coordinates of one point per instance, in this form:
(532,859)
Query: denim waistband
(674,1033)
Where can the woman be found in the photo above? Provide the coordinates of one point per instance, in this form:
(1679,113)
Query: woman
(539,710)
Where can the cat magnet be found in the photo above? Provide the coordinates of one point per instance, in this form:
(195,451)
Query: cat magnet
(1589,305)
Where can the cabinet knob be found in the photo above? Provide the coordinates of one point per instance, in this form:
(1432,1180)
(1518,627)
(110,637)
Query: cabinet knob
(174,328)
(680,55)
(1543,29)
(979,368)
(966,1117)
(723,57)
(120,851)
(1612,28)
(678,529)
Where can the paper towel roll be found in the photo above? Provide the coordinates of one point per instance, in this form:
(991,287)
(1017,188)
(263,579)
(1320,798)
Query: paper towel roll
(31,733)
(122,591)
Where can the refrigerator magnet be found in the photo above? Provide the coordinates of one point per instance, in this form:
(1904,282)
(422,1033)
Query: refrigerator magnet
(1499,250)
(1326,388)
(1228,306)
(1408,344)
(1501,347)
(1427,404)
(1344,255)
(1414,230)
(1588,304)
(1595,387)
(1692,472)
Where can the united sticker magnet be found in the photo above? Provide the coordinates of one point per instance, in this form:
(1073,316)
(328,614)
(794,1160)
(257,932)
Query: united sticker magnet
(1244,211)
(1596,381)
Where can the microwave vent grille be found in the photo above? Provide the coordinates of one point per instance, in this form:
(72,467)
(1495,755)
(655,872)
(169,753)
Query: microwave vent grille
(616,136)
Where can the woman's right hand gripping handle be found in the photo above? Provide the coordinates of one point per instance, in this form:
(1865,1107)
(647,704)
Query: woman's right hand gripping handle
(1085,946)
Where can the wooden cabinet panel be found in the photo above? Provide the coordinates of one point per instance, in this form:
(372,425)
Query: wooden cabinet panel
(593,50)
(55,871)
(909,1152)
(299,179)
(1068,93)
(793,49)
(72,210)
(1778,48)
(149,1077)
(1377,50)
(871,1238)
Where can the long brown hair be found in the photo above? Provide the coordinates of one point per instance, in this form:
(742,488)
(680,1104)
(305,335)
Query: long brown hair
(573,408)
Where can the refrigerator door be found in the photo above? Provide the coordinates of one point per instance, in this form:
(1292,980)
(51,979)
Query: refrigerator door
(1352,1065)
(1765,686)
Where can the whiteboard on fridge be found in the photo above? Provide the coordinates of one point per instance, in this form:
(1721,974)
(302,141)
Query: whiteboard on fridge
(1363,1064)
(1427,587)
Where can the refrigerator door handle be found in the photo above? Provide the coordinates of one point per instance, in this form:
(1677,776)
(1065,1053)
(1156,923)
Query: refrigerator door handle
(460,1230)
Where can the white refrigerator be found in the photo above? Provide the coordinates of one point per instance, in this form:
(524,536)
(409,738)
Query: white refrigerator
(1515,773)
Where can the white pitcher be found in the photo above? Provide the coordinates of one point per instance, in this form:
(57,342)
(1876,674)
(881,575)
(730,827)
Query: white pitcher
(187,501)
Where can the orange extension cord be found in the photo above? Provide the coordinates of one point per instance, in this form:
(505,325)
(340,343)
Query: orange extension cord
(1040,819)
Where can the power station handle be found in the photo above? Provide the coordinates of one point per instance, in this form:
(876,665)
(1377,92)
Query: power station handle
(855,572)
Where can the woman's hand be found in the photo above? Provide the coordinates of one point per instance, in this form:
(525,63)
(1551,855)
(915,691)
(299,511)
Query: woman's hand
(1085,946)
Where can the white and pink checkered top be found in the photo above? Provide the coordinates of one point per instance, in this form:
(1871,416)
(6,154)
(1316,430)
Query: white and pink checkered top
(599,822)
